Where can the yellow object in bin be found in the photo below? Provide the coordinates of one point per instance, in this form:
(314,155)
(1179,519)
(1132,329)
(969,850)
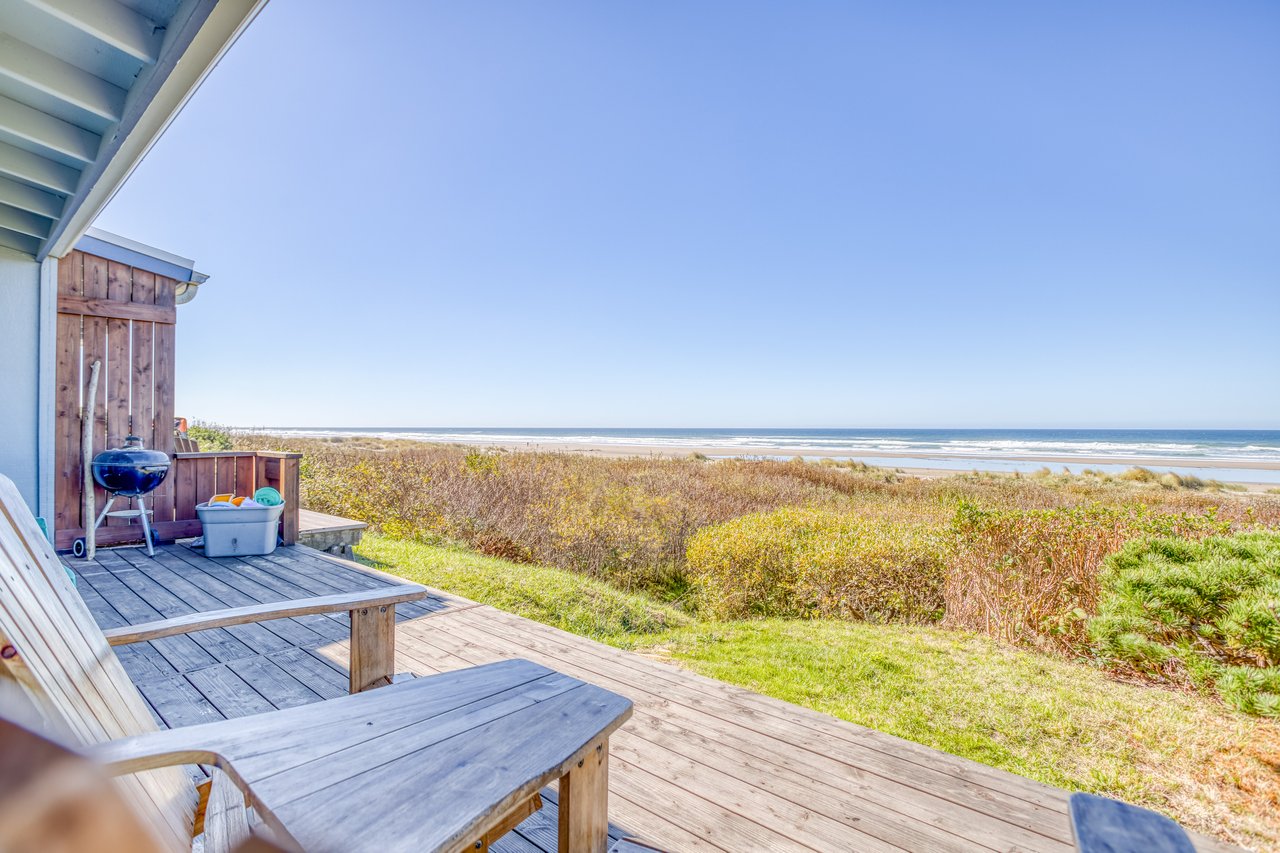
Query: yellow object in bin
(228,501)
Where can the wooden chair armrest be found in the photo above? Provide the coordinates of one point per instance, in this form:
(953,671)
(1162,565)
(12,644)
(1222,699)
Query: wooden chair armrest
(165,748)
(191,622)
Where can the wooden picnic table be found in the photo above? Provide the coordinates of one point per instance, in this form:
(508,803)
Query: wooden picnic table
(428,764)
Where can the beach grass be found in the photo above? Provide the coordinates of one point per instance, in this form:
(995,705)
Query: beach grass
(566,600)
(1060,721)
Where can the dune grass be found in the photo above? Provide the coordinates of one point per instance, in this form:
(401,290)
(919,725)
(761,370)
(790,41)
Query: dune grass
(566,600)
(1058,721)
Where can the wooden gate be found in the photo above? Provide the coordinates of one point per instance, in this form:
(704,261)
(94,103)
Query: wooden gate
(124,317)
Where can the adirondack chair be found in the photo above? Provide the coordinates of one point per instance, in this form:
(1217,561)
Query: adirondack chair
(54,798)
(436,763)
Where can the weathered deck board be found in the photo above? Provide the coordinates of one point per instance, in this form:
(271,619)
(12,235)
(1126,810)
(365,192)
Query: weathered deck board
(329,533)
(310,521)
(702,765)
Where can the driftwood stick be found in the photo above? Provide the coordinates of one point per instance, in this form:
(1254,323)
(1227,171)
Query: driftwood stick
(86,444)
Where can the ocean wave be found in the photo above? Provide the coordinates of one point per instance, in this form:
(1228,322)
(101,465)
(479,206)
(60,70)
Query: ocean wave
(991,448)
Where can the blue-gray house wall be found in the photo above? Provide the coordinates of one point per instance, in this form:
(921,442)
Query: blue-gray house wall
(20,399)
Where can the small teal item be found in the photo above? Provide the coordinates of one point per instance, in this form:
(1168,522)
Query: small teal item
(268,496)
(44,528)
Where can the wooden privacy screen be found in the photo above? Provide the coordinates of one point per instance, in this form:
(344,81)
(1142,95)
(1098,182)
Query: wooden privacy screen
(123,316)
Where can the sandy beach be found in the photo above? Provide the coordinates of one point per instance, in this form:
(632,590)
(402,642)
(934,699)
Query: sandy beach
(914,462)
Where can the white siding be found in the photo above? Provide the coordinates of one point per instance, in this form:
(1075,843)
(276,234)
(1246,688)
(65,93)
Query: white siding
(20,371)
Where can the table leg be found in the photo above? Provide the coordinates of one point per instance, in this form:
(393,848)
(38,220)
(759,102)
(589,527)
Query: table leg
(373,647)
(584,804)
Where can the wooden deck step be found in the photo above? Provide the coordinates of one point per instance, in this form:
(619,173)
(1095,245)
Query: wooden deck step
(330,533)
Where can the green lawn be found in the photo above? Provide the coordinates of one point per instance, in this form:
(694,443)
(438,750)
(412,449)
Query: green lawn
(1058,721)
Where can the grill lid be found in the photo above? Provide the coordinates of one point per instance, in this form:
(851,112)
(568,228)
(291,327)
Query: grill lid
(130,470)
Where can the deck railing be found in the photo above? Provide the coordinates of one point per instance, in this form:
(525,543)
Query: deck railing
(194,478)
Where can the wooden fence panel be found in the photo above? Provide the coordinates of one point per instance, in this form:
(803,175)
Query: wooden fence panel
(246,483)
(224,480)
(66,424)
(93,336)
(141,407)
(206,471)
(166,291)
(114,388)
(144,288)
(163,386)
(184,490)
(118,368)
(122,317)
(71,275)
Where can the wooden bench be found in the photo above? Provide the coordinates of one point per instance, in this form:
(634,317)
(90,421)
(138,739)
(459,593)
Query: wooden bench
(438,763)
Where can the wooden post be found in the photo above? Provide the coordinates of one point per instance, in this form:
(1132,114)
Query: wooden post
(373,647)
(86,442)
(290,487)
(282,472)
(584,804)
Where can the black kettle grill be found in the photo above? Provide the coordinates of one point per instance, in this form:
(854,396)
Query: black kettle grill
(130,471)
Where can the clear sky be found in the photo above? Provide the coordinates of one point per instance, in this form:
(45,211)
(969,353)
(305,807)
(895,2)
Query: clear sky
(788,213)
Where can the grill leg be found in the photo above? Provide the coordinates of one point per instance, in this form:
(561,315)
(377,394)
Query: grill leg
(106,509)
(146,525)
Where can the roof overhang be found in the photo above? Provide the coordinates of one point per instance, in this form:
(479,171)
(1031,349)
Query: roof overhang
(113,247)
(86,88)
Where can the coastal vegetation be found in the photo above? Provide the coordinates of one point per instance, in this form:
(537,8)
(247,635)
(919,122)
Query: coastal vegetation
(1200,614)
(1032,576)
(1059,720)
(1104,633)
(807,562)
(1019,559)
(210,437)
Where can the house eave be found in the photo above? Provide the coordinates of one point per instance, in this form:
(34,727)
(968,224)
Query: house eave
(198,36)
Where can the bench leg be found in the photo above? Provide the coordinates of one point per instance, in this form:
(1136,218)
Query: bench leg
(373,647)
(584,804)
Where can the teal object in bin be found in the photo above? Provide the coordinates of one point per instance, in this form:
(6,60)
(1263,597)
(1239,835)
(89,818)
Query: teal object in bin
(268,496)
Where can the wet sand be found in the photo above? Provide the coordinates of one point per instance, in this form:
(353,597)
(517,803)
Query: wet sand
(915,462)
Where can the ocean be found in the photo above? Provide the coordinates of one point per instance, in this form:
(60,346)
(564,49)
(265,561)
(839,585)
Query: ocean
(1231,455)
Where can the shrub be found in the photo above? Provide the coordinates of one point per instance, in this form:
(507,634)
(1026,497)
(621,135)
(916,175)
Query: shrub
(1031,576)
(629,520)
(210,437)
(818,562)
(1204,614)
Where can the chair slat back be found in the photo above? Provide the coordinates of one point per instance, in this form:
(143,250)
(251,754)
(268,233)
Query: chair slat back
(51,646)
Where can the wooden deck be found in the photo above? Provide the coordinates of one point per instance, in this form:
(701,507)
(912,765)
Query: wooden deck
(702,765)
(310,521)
(330,533)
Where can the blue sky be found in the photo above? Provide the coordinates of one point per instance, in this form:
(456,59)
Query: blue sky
(730,214)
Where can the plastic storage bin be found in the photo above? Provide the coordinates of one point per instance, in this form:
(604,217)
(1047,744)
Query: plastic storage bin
(236,532)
